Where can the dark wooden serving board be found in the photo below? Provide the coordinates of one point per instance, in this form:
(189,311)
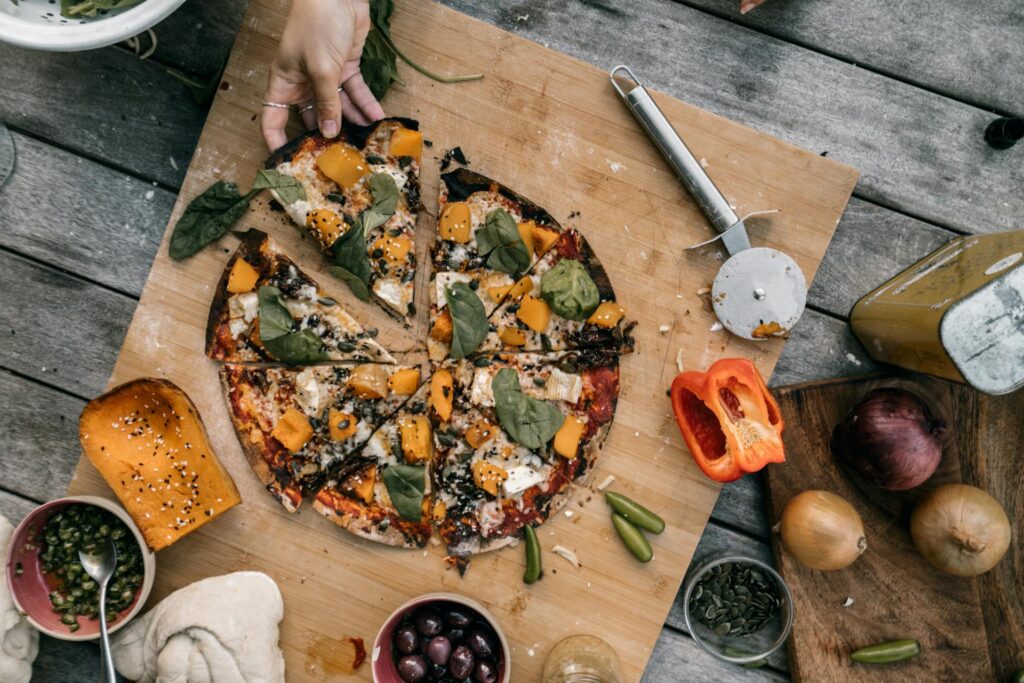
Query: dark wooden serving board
(969,629)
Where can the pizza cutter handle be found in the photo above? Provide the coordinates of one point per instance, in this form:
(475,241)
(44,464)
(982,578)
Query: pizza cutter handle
(672,147)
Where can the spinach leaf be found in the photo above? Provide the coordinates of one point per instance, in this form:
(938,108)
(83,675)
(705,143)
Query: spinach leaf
(297,348)
(569,290)
(528,421)
(288,189)
(351,262)
(469,320)
(207,218)
(405,484)
(275,318)
(384,191)
(500,241)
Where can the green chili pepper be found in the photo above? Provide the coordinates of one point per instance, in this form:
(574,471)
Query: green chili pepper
(887,653)
(634,539)
(636,513)
(532,572)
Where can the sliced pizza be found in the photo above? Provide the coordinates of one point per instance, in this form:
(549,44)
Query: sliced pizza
(359,200)
(512,433)
(295,424)
(566,302)
(383,492)
(266,309)
(487,237)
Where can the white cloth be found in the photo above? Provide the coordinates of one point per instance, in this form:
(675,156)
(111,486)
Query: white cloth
(218,630)
(19,642)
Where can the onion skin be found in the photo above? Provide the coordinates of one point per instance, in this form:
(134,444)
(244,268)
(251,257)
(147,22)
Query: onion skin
(890,439)
(822,531)
(960,530)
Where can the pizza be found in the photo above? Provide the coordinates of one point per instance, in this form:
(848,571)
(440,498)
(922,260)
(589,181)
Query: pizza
(494,471)
(294,425)
(525,336)
(261,285)
(359,201)
(488,236)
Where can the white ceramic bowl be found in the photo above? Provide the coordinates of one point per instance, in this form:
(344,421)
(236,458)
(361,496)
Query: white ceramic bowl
(37,24)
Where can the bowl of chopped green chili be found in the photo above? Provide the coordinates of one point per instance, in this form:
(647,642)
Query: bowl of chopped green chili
(739,609)
(46,578)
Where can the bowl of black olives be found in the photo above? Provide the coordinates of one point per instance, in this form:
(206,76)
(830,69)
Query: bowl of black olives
(442,637)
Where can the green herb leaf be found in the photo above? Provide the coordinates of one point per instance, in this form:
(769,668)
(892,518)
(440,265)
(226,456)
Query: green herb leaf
(207,218)
(405,484)
(384,191)
(275,318)
(569,290)
(352,261)
(288,189)
(297,348)
(378,64)
(528,421)
(469,320)
(500,241)
(358,287)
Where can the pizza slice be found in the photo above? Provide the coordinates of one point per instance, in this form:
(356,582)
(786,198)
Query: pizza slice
(266,309)
(487,237)
(512,433)
(566,302)
(294,425)
(359,198)
(383,492)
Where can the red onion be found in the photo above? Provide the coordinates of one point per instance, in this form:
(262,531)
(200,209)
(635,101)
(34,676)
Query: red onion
(890,438)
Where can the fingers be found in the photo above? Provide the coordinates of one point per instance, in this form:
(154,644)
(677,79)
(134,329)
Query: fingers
(327,99)
(308,117)
(274,119)
(357,91)
(352,112)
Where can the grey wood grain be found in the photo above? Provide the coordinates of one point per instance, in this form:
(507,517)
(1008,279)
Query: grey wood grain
(916,150)
(198,36)
(39,433)
(820,347)
(7,153)
(960,49)
(109,223)
(58,328)
(14,507)
(105,104)
(677,658)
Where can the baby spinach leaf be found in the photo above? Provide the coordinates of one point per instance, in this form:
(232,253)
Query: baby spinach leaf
(406,484)
(297,348)
(500,241)
(528,421)
(275,318)
(384,191)
(207,218)
(469,320)
(569,290)
(351,261)
(288,189)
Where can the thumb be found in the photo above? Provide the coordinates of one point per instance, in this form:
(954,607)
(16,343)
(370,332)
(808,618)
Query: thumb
(328,102)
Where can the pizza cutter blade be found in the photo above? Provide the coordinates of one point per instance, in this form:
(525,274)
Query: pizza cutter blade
(758,293)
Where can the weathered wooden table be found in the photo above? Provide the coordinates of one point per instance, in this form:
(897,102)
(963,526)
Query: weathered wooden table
(103,138)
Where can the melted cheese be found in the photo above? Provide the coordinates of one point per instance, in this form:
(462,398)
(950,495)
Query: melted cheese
(245,306)
(443,280)
(307,393)
(521,478)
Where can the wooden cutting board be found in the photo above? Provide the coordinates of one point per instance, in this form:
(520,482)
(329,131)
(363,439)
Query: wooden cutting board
(550,127)
(969,629)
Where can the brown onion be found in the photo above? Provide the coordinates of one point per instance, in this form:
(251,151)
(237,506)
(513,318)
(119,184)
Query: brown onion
(960,530)
(890,439)
(822,531)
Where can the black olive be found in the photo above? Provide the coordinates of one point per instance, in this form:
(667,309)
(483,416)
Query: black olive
(481,641)
(439,649)
(485,672)
(412,668)
(458,617)
(461,663)
(406,639)
(428,622)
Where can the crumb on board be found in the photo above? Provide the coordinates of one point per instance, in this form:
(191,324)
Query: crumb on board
(663,329)
(679,360)
(569,555)
(606,482)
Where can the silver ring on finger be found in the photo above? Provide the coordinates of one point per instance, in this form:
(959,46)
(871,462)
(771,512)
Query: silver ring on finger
(277,105)
(308,107)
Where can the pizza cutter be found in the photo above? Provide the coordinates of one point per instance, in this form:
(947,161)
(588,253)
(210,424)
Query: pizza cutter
(759,292)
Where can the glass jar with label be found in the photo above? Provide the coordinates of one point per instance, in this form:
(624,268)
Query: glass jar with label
(582,659)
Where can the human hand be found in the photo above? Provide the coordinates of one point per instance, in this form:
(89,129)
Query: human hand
(320,51)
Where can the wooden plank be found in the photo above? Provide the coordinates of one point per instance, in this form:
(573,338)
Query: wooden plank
(67,662)
(958,49)
(13,506)
(918,151)
(123,110)
(110,238)
(39,430)
(677,658)
(58,328)
(820,347)
(197,37)
(527,89)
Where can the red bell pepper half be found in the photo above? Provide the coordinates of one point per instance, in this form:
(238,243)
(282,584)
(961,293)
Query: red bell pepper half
(731,423)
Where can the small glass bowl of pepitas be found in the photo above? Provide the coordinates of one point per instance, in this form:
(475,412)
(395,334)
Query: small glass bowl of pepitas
(739,609)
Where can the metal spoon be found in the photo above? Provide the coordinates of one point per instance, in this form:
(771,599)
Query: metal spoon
(100,565)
